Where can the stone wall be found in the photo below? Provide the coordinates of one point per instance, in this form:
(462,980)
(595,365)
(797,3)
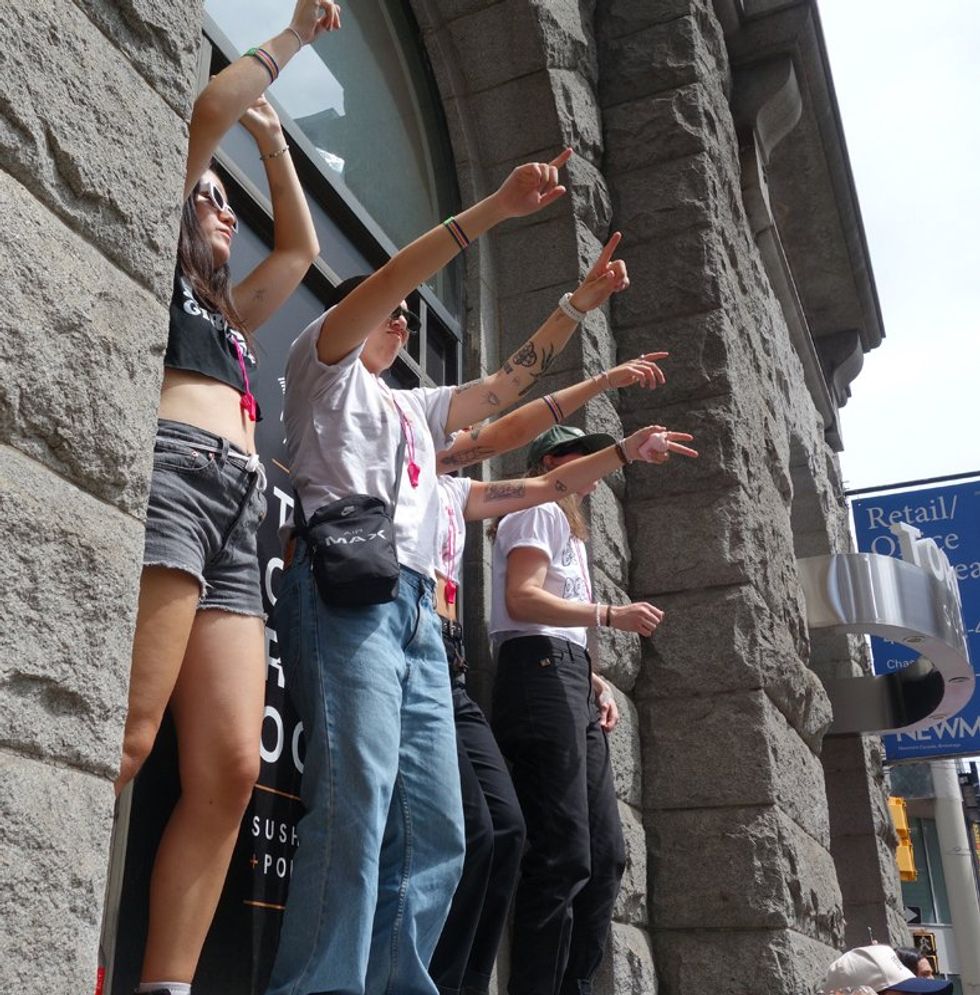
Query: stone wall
(717,759)
(93,101)
(744,889)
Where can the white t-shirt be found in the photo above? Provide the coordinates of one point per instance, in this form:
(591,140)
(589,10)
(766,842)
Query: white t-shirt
(454,492)
(342,435)
(545,528)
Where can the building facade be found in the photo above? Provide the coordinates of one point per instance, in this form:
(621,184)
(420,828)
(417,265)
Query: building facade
(708,133)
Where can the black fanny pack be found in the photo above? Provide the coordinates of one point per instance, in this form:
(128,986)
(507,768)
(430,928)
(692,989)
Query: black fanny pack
(352,546)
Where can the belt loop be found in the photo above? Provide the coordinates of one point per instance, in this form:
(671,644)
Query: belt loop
(225,446)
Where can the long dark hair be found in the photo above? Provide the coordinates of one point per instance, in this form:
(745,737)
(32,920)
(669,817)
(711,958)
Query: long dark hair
(211,284)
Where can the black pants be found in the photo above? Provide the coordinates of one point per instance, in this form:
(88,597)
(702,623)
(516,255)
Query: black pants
(547,723)
(463,959)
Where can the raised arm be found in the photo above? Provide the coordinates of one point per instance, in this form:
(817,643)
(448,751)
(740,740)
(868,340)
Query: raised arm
(473,402)
(236,88)
(652,444)
(528,189)
(295,247)
(519,427)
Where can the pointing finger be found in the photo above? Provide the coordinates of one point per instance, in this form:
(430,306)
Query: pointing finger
(608,250)
(676,447)
(560,159)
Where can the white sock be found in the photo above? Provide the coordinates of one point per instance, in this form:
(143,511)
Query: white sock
(174,987)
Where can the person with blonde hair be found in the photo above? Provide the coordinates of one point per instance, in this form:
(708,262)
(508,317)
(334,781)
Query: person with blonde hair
(551,716)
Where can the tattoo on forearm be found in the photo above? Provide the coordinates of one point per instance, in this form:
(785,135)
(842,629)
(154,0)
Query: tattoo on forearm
(474,454)
(475,432)
(527,355)
(492,400)
(547,358)
(498,492)
(507,368)
(466,386)
(560,487)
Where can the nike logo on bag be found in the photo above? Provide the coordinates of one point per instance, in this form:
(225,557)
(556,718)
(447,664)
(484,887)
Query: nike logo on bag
(349,510)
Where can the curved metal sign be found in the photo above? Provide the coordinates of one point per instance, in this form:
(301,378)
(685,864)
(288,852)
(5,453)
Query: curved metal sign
(914,601)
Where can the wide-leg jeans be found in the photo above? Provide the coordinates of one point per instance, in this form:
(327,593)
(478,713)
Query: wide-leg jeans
(381,844)
(546,720)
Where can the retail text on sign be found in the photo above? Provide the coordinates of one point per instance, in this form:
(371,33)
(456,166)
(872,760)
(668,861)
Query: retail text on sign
(950,517)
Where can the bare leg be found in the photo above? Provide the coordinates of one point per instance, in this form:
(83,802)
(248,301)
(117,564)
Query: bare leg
(167,607)
(217,709)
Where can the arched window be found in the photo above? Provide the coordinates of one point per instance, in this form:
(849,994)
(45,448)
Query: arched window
(365,100)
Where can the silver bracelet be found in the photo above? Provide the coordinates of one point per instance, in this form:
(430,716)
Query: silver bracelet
(296,35)
(566,306)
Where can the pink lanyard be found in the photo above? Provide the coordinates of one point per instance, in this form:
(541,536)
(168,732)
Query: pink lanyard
(413,468)
(449,557)
(248,398)
(576,543)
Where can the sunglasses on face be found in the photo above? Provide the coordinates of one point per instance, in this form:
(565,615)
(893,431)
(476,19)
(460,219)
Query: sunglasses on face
(412,320)
(214,195)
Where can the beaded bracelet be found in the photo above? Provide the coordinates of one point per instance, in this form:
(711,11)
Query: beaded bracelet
(598,608)
(454,229)
(570,310)
(274,155)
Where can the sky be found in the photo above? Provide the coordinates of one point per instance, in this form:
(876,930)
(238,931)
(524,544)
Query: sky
(907,77)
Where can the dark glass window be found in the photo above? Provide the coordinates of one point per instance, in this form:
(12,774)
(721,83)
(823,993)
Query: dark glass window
(365,100)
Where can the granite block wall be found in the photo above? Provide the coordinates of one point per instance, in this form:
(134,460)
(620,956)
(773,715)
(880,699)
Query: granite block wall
(93,101)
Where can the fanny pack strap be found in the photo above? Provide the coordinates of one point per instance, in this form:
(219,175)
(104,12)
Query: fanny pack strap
(299,518)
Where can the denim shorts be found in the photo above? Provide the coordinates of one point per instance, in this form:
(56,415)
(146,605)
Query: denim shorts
(207,500)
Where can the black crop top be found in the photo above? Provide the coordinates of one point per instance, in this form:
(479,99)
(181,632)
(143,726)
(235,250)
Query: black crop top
(201,341)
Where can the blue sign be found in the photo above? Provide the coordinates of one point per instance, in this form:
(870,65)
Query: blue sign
(950,516)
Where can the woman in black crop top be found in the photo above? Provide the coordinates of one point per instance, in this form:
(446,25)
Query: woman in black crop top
(205,505)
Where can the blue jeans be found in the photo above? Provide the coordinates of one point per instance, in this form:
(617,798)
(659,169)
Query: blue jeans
(381,844)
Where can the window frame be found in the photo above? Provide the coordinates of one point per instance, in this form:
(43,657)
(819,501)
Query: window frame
(336,200)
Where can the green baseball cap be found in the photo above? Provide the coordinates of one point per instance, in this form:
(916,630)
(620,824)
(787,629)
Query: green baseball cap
(560,440)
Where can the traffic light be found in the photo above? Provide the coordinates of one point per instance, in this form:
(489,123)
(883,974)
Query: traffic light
(903,854)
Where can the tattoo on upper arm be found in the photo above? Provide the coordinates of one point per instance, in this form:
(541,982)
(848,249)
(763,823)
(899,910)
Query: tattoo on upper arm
(475,432)
(527,355)
(259,295)
(560,487)
(491,399)
(500,491)
(474,454)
